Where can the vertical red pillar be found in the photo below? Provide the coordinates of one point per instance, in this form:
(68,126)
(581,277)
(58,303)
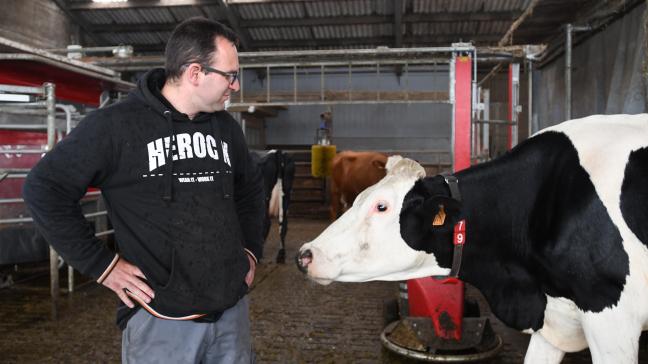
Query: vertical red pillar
(462,114)
(443,298)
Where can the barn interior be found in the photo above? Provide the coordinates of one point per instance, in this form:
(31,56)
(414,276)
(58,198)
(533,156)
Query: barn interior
(372,75)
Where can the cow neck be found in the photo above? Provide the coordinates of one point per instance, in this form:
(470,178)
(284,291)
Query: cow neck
(459,235)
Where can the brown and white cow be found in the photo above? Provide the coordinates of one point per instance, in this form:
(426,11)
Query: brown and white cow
(351,173)
(556,236)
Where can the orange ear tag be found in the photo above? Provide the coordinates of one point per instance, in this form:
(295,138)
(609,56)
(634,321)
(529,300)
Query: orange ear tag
(439,219)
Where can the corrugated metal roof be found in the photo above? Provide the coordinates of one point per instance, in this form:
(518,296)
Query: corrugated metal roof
(181,13)
(133,38)
(263,21)
(465,6)
(96,16)
(273,33)
(270,11)
(352,31)
(318,9)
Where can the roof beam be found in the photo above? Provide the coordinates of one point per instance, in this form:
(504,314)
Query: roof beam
(398,23)
(293,22)
(378,41)
(406,18)
(239,2)
(233,21)
(138,4)
(95,38)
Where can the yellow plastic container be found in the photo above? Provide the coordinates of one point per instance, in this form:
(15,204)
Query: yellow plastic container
(322,159)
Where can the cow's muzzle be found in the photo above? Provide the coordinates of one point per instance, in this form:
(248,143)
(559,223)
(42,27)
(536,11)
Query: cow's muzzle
(303,259)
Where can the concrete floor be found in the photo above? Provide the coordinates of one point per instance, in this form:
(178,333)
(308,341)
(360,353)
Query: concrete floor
(293,319)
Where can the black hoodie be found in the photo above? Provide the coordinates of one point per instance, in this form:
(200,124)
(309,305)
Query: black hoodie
(184,215)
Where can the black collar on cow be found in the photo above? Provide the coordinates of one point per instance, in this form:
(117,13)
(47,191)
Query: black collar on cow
(459,238)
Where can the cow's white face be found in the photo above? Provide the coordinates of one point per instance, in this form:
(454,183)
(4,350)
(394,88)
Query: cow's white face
(365,243)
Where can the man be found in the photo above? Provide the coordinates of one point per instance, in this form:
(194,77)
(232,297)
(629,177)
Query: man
(183,195)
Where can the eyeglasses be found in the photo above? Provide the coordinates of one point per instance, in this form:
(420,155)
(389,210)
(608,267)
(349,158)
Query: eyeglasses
(231,76)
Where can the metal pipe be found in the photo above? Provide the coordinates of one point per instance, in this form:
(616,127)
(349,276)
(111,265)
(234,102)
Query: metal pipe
(17,111)
(67,109)
(569,30)
(25,104)
(22,89)
(70,279)
(356,52)
(568,59)
(51,139)
(22,126)
(107,232)
(530,97)
(22,151)
(346,63)
(339,102)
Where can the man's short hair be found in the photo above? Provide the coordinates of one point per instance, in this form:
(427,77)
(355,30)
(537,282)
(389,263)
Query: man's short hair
(192,41)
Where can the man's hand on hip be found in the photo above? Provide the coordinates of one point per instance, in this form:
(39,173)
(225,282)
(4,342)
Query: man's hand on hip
(249,277)
(125,276)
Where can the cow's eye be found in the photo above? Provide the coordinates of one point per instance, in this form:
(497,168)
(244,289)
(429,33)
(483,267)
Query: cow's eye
(381,206)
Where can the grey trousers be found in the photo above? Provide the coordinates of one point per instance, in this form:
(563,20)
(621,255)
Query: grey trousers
(148,339)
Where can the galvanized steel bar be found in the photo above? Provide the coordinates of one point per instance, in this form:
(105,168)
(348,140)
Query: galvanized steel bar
(350,82)
(347,62)
(295,83)
(22,151)
(24,104)
(377,81)
(268,83)
(356,52)
(51,139)
(103,233)
(340,102)
(322,82)
(23,126)
(568,66)
(241,82)
(22,89)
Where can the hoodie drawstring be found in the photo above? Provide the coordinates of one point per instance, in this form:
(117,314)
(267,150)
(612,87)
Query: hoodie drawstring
(168,183)
(226,181)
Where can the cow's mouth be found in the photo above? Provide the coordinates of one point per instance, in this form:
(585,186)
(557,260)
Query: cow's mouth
(322,281)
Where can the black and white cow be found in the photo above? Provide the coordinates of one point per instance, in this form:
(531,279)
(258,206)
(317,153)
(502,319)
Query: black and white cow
(556,236)
(278,170)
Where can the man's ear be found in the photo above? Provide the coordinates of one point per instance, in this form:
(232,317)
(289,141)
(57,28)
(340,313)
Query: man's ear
(192,73)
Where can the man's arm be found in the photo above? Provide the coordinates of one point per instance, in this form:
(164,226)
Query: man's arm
(249,196)
(52,192)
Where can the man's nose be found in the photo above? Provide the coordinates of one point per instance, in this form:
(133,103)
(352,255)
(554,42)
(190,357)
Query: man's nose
(236,86)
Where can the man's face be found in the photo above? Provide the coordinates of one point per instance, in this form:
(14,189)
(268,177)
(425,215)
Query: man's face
(215,88)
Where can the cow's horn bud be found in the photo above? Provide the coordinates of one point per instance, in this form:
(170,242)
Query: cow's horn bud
(397,165)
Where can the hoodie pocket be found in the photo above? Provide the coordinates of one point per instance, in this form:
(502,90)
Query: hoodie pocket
(204,279)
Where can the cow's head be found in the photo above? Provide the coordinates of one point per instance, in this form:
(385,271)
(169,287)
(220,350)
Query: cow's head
(391,232)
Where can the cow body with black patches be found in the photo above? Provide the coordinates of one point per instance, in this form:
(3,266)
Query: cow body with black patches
(278,170)
(556,229)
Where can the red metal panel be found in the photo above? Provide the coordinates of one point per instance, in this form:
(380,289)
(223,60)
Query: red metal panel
(70,86)
(463,78)
(441,300)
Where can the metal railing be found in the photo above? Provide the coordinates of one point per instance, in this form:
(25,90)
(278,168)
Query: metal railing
(48,108)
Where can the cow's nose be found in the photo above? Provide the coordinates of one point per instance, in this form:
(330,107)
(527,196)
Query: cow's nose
(303,259)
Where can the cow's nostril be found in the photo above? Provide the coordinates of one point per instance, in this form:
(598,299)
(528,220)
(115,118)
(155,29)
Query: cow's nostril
(303,259)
